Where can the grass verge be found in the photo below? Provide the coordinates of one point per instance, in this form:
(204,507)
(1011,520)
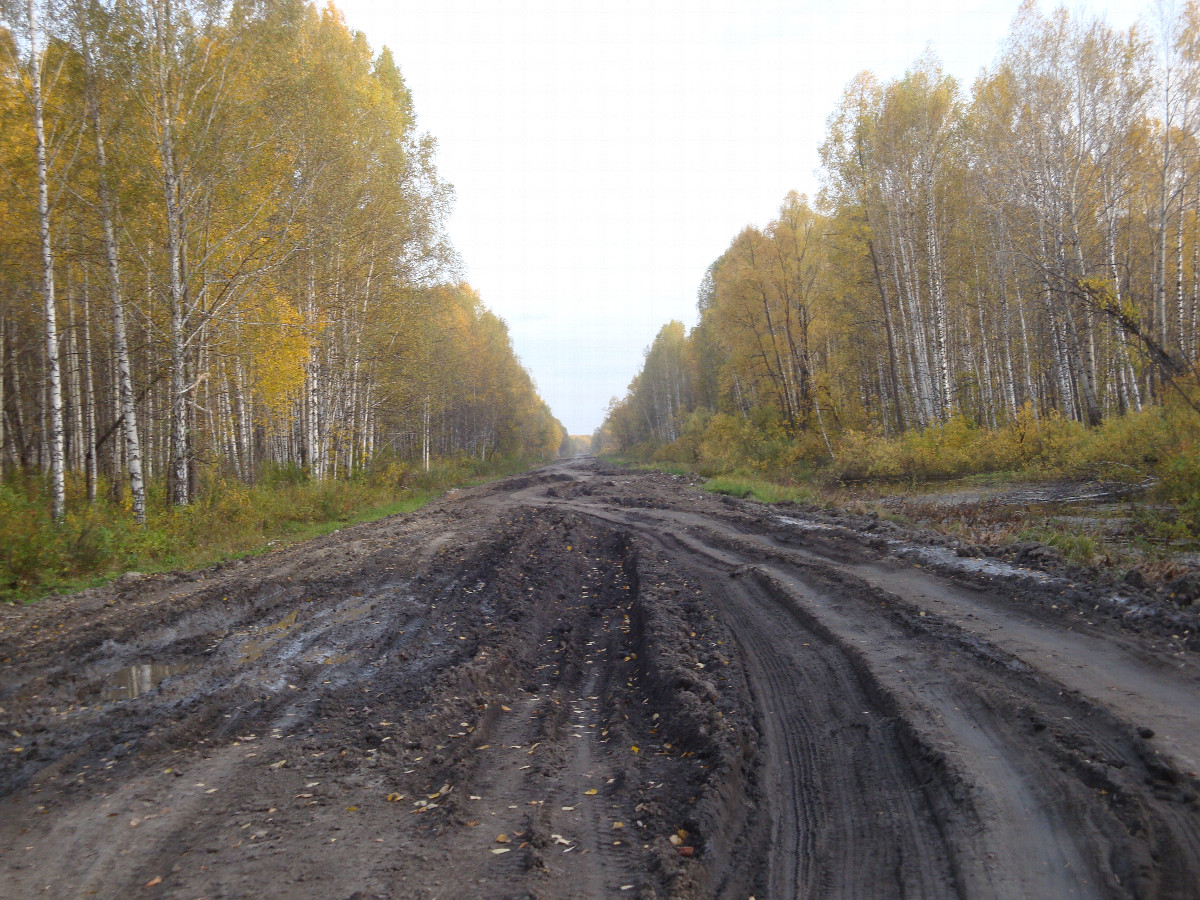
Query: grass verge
(97,542)
(737,484)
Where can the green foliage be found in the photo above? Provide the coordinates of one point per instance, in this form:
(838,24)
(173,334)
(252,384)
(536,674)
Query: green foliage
(759,489)
(1082,549)
(1181,484)
(24,553)
(97,542)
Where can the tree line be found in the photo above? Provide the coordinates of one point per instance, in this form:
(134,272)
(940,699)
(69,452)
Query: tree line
(1029,245)
(222,246)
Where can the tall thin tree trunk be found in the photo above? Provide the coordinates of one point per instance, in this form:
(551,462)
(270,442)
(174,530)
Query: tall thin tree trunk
(125,394)
(58,491)
(89,397)
(425,437)
(178,472)
(73,411)
(3,407)
(890,330)
(1181,313)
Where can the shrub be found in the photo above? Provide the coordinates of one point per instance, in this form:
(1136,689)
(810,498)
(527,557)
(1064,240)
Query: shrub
(25,552)
(1181,485)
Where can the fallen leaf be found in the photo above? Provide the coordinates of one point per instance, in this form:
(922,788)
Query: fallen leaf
(506,708)
(153,882)
(499,850)
(503,839)
(278,765)
(618,824)
(676,840)
(634,748)
(687,851)
(392,798)
(591,792)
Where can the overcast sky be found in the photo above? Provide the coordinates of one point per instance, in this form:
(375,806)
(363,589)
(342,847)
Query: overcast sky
(604,152)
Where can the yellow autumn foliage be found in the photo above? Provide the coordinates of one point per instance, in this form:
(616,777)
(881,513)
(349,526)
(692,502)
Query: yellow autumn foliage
(278,346)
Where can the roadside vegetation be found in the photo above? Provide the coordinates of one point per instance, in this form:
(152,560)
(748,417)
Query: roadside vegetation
(236,263)
(99,541)
(230,315)
(997,281)
(1152,457)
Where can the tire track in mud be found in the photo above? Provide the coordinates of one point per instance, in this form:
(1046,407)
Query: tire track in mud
(1019,824)
(846,810)
(1018,828)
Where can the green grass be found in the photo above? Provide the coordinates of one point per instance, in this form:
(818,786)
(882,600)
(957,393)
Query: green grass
(1082,549)
(759,489)
(98,542)
(733,485)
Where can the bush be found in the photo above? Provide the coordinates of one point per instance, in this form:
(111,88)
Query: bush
(1181,485)
(25,551)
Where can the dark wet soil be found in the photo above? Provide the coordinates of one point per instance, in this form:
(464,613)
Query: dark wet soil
(589,682)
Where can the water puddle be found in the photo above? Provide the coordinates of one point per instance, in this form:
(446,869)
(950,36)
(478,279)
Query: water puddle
(809,524)
(133,681)
(942,557)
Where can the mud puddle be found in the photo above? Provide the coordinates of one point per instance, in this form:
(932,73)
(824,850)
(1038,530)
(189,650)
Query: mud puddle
(950,559)
(132,681)
(927,555)
(1087,493)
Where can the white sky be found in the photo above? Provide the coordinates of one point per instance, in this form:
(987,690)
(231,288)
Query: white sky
(604,152)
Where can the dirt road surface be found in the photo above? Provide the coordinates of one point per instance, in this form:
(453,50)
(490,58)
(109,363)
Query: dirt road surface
(589,682)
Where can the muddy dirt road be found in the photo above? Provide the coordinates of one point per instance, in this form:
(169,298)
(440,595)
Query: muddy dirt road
(587,682)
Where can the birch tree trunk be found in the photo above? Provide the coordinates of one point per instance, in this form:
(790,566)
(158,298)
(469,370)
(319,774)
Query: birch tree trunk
(89,399)
(3,408)
(124,373)
(164,74)
(58,494)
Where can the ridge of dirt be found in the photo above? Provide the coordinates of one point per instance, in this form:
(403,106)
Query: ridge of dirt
(590,682)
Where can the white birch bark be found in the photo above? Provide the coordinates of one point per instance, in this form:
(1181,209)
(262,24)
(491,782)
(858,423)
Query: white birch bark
(89,398)
(124,373)
(165,108)
(58,501)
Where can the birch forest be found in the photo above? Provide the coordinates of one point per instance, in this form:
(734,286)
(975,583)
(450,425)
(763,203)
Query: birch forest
(222,248)
(1023,249)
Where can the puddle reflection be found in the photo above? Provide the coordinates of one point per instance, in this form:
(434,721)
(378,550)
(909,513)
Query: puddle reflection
(136,680)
